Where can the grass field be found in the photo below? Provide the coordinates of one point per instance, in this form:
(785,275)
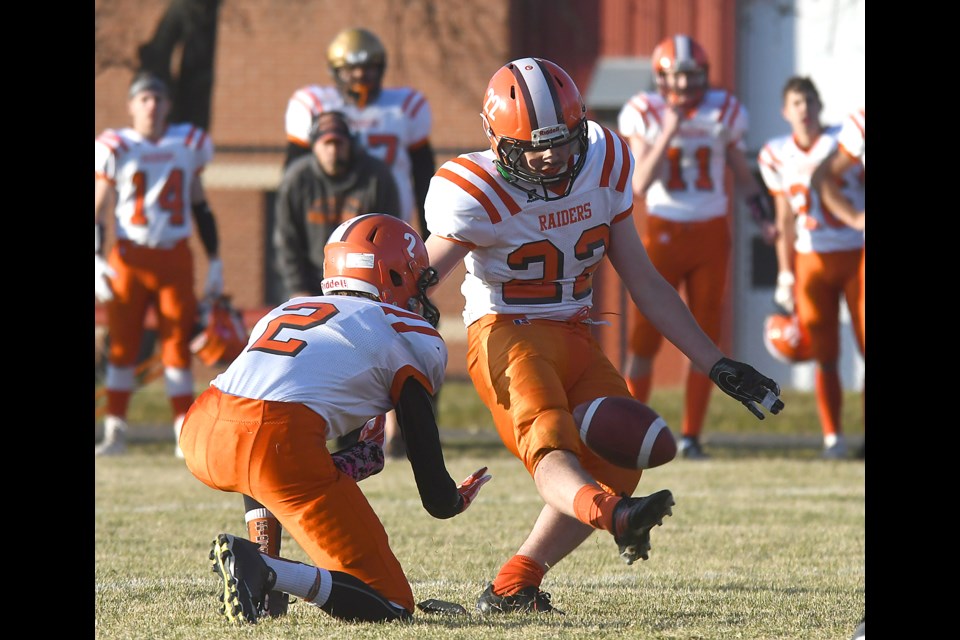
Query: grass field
(461,412)
(763,544)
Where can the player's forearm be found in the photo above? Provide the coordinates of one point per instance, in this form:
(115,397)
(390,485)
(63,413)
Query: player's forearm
(438,491)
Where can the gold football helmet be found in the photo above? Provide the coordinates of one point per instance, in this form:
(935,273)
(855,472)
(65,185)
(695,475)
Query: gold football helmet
(357,61)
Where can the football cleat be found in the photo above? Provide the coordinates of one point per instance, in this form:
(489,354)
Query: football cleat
(690,449)
(527,600)
(245,578)
(114,438)
(634,517)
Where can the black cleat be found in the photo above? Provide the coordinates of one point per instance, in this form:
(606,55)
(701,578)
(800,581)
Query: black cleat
(634,517)
(527,600)
(691,449)
(245,578)
(276,603)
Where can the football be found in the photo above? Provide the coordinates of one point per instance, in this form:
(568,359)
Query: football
(625,432)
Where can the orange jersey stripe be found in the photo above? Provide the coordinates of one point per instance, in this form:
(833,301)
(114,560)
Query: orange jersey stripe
(401,377)
(623,215)
(467,186)
(512,207)
(624,163)
(607,158)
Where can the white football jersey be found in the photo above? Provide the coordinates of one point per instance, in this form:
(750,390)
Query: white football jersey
(535,258)
(153,180)
(344,357)
(398,120)
(853,135)
(690,186)
(787,168)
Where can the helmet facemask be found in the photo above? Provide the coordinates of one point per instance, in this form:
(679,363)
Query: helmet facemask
(429,311)
(360,92)
(691,96)
(510,158)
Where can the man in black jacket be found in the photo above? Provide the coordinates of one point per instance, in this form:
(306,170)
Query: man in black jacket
(336,182)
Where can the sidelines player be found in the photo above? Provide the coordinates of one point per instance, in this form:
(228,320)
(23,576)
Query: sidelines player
(392,123)
(683,137)
(531,218)
(315,368)
(818,255)
(148,177)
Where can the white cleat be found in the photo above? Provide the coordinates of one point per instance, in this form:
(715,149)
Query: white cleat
(114,437)
(177,426)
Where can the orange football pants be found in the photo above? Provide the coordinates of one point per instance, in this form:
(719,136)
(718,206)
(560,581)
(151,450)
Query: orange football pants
(696,254)
(276,453)
(531,374)
(822,278)
(163,277)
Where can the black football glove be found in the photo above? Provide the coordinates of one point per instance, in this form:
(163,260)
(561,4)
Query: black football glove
(746,384)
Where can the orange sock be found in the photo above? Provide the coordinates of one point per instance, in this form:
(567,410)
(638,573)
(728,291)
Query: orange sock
(829,400)
(594,506)
(180,404)
(640,387)
(697,399)
(517,573)
(117,403)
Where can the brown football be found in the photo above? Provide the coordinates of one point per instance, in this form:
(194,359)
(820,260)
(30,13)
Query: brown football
(626,432)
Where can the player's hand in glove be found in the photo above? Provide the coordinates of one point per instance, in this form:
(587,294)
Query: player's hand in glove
(374,430)
(746,384)
(101,282)
(783,295)
(214,285)
(470,487)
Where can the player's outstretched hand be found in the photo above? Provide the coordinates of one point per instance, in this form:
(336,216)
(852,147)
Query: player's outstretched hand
(746,384)
(470,487)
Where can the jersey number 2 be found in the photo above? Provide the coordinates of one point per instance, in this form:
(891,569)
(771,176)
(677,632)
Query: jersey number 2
(268,343)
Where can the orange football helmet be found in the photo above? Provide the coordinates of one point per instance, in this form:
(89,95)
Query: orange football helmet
(357,48)
(681,54)
(531,104)
(786,339)
(384,258)
(220,336)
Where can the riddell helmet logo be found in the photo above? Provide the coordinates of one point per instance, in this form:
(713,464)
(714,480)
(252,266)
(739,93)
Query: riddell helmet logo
(337,283)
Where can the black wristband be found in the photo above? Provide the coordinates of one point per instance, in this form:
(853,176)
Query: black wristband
(207,227)
(760,209)
(98,238)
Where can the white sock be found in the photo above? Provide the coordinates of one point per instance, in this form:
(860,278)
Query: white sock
(298,579)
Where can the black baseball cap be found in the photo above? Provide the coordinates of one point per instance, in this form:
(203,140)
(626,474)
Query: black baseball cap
(147,81)
(330,124)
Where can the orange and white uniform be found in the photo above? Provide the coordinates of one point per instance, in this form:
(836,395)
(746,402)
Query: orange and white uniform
(153,222)
(827,252)
(528,294)
(687,234)
(314,369)
(397,121)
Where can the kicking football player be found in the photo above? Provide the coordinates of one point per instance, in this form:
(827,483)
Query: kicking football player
(531,218)
(818,255)
(683,137)
(315,368)
(148,177)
